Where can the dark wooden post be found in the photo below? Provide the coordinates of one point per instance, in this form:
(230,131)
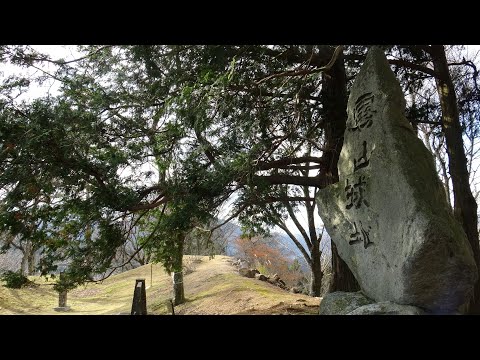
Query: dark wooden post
(139,304)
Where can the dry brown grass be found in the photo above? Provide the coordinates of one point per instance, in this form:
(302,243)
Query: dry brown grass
(213,288)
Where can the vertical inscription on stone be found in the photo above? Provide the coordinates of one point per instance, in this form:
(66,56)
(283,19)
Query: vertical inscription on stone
(362,161)
(355,193)
(363,113)
(363,235)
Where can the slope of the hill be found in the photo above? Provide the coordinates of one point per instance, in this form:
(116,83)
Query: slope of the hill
(214,287)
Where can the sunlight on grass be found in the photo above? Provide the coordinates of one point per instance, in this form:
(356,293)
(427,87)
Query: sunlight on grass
(213,288)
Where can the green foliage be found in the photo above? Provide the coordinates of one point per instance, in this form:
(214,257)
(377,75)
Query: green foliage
(14,279)
(295,266)
(158,138)
(66,282)
(263,268)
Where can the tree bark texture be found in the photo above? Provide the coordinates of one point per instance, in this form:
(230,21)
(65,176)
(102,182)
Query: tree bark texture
(334,94)
(465,206)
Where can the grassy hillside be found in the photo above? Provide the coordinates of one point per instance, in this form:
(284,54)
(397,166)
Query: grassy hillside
(214,287)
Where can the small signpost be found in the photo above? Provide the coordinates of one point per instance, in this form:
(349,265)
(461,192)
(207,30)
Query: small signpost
(139,304)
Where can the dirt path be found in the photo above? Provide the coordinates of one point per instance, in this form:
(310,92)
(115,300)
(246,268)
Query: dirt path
(216,288)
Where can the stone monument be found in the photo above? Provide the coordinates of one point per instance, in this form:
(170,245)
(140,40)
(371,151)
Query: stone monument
(388,214)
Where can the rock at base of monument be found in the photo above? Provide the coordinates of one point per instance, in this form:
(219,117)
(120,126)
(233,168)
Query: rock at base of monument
(62,308)
(342,303)
(355,303)
(387,308)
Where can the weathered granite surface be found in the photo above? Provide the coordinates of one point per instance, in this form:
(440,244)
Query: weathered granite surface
(388,214)
(342,303)
(355,303)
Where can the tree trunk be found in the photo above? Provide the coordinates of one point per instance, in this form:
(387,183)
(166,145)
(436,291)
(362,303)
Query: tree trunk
(334,95)
(178,292)
(30,253)
(31,265)
(465,206)
(177,274)
(342,277)
(317,274)
(62,295)
(24,264)
(436,152)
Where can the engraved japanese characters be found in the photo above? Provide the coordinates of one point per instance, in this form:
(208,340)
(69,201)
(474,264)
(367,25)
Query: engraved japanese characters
(388,214)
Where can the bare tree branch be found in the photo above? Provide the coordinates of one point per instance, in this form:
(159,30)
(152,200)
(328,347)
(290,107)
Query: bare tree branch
(297,243)
(280,179)
(336,53)
(147,240)
(263,165)
(298,225)
(62,62)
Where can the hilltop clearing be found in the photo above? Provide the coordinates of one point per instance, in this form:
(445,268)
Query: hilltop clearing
(214,287)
